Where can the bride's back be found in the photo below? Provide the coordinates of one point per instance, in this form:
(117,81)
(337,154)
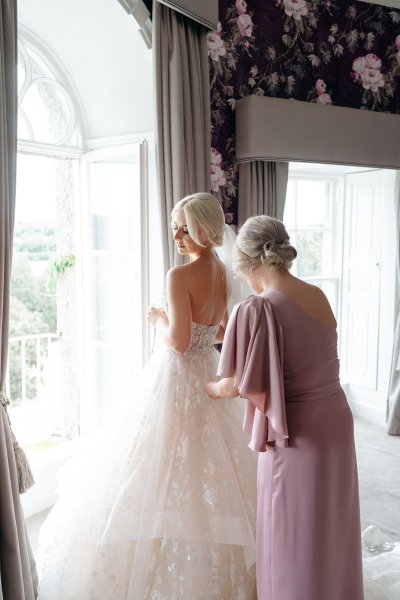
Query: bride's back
(206,282)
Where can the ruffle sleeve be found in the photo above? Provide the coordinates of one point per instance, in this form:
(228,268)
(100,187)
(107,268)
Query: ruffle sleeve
(252,353)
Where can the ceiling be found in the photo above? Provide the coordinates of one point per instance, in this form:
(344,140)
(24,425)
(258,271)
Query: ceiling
(100,48)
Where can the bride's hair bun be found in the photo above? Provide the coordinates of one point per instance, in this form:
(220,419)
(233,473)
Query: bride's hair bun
(264,241)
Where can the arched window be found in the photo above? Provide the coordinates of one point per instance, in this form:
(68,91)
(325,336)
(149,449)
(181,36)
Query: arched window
(46,111)
(43,283)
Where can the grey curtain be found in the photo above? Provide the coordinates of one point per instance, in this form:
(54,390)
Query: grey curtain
(182,92)
(262,189)
(393,404)
(18,579)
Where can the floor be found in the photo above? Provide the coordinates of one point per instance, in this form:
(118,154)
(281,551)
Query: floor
(378,456)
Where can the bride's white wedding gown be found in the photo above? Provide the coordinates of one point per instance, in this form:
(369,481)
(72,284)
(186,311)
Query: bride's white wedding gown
(163,510)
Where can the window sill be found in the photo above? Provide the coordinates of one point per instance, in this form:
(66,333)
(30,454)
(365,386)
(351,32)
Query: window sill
(46,460)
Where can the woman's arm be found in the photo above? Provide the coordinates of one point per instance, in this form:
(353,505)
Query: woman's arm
(176,327)
(222,328)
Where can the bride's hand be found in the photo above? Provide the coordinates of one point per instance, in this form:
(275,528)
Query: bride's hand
(153,314)
(212,390)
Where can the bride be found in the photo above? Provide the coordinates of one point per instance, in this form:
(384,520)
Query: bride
(165,510)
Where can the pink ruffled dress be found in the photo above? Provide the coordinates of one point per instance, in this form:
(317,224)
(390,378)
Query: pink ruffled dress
(308,522)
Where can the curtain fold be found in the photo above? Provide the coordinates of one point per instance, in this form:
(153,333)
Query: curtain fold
(393,404)
(18,579)
(262,189)
(183,137)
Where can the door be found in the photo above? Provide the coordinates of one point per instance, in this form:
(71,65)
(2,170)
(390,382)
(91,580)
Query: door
(114,278)
(361,279)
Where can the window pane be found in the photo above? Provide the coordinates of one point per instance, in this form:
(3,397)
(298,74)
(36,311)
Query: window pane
(309,253)
(114,286)
(116,302)
(46,111)
(41,380)
(313,204)
(49,111)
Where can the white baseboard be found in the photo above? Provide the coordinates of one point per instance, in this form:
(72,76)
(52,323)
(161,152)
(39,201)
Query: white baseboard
(366,404)
(374,415)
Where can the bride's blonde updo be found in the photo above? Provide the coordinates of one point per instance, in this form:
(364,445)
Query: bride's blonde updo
(204,218)
(263,241)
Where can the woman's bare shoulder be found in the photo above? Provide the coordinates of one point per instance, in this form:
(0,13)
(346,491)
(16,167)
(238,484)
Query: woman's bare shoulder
(177,275)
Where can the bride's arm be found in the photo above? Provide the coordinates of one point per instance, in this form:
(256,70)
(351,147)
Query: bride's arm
(176,327)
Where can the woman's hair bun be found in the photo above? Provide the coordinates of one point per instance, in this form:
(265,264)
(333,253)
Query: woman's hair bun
(263,240)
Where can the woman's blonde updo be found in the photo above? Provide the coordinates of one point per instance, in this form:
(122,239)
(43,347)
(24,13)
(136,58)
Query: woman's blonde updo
(263,241)
(204,218)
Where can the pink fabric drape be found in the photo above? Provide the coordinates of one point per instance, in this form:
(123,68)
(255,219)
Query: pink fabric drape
(252,353)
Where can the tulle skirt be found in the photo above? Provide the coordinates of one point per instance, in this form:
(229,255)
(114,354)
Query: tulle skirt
(382,568)
(160,506)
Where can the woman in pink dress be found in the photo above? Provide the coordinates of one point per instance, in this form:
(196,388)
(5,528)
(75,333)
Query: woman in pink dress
(280,353)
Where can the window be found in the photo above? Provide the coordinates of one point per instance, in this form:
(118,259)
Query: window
(42,371)
(114,282)
(335,217)
(313,219)
(79,287)
(46,112)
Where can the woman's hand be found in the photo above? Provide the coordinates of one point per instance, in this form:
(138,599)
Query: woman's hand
(212,390)
(224,388)
(154,314)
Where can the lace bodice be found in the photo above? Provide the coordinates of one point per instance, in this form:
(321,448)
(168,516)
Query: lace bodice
(203,336)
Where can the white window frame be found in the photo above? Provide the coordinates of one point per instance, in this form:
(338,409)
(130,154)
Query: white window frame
(84,265)
(336,199)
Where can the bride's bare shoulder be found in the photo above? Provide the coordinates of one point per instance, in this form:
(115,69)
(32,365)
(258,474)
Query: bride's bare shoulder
(177,275)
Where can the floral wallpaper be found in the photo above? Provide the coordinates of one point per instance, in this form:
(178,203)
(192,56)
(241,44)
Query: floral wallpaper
(339,52)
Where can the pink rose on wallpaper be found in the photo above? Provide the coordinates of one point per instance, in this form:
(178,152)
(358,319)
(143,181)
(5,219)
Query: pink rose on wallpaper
(320,87)
(245,25)
(366,70)
(359,64)
(216,157)
(372,79)
(217,174)
(241,7)
(397,42)
(216,45)
(372,61)
(295,8)
(324,99)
